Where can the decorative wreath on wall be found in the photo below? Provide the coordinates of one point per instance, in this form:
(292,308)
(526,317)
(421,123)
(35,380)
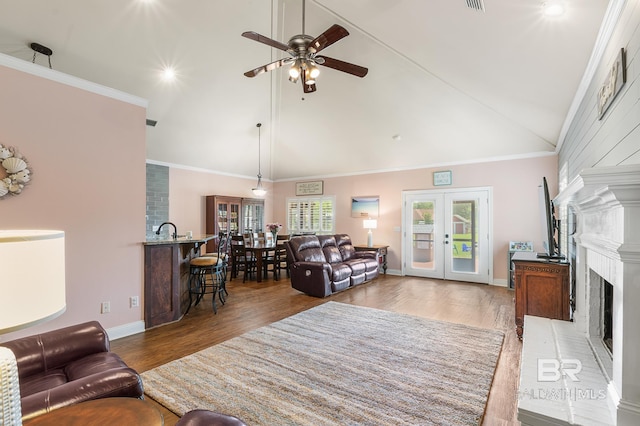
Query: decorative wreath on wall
(14,173)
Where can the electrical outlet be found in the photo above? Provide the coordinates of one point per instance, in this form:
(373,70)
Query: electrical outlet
(105,307)
(154,228)
(134,301)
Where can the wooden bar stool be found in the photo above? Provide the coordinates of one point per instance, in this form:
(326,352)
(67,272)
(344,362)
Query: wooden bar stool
(207,275)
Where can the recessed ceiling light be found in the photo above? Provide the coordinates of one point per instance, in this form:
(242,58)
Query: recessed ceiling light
(553,8)
(169,74)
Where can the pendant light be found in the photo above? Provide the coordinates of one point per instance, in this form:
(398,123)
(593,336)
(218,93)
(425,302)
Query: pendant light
(259,191)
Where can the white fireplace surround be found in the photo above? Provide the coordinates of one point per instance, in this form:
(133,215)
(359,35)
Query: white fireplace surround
(606,201)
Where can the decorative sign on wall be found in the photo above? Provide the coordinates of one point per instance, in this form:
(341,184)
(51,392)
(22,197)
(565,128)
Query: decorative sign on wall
(442,178)
(14,173)
(616,78)
(309,188)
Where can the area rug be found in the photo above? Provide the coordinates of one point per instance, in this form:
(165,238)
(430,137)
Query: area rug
(338,364)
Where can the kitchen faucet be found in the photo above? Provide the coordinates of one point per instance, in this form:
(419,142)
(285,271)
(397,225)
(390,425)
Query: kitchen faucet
(175,230)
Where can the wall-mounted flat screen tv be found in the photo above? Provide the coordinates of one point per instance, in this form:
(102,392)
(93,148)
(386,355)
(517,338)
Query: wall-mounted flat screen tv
(549,224)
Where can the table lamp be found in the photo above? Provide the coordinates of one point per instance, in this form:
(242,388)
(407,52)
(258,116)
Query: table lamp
(33,291)
(371,224)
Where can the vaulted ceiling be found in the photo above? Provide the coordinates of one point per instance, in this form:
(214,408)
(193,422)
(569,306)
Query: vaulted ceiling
(446,83)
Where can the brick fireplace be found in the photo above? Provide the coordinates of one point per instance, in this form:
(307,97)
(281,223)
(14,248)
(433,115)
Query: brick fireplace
(606,240)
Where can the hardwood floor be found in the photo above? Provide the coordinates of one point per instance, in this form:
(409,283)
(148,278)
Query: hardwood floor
(251,305)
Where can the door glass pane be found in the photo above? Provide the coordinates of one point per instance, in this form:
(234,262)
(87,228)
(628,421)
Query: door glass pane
(222,217)
(464,242)
(234,220)
(422,234)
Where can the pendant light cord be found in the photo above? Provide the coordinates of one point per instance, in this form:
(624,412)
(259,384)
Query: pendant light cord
(259,169)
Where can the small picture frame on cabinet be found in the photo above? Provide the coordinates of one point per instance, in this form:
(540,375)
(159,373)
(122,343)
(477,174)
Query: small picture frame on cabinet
(520,245)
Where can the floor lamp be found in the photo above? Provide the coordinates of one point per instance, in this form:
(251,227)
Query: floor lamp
(32,292)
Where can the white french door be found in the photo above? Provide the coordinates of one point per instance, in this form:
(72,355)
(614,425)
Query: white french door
(446,234)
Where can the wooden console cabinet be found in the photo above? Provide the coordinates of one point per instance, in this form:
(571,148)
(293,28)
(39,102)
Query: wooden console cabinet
(542,288)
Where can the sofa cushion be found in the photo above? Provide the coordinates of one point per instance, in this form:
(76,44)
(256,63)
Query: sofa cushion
(330,249)
(337,286)
(93,364)
(306,248)
(370,264)
(42,381)
(357,266)
(347,251)
(340,271)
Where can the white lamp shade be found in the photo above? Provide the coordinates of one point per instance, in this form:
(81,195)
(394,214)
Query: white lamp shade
(370,223)
(32,277)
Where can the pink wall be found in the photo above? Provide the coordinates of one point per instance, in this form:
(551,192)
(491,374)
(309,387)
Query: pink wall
(515,201)
(188,189)
(87,155)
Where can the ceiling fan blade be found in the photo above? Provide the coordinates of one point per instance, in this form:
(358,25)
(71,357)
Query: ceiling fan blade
(339,65)
(265,40)
(327,38)
(269,67)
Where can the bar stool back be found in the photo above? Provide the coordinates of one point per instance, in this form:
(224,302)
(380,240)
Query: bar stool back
(208,274)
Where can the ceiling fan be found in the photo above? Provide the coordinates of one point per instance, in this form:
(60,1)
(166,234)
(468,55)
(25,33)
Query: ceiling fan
(303,51)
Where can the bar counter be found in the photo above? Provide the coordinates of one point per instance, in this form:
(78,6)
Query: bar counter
(166,272)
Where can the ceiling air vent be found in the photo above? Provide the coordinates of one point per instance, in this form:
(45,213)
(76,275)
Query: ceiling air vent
(476,5)
(152,123)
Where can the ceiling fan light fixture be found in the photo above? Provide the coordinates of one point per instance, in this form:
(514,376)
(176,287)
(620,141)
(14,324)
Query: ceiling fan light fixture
(302,50)
(294,71)
(314,72)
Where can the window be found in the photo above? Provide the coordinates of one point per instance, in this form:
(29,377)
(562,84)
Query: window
(311,214)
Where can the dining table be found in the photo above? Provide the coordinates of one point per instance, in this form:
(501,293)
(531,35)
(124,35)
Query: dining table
(259,248)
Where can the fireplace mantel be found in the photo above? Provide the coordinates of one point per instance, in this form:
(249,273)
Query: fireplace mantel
(606,201)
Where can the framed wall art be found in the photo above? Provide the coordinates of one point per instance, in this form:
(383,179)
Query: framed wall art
(442,178)
(365,207)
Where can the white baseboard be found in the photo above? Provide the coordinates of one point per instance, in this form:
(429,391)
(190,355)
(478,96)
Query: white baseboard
(500,283)
(125,330)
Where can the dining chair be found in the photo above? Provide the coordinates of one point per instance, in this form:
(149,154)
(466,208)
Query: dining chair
(268,256)
(281,255)
(241,259)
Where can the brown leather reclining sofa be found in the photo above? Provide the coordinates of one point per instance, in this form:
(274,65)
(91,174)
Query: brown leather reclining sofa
(325,264)
(70,365)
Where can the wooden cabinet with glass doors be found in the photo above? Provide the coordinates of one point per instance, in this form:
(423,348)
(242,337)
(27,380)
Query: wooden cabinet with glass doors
(232,215)
(222,215)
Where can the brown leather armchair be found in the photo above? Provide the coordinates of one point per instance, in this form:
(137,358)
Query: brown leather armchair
(70,365)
